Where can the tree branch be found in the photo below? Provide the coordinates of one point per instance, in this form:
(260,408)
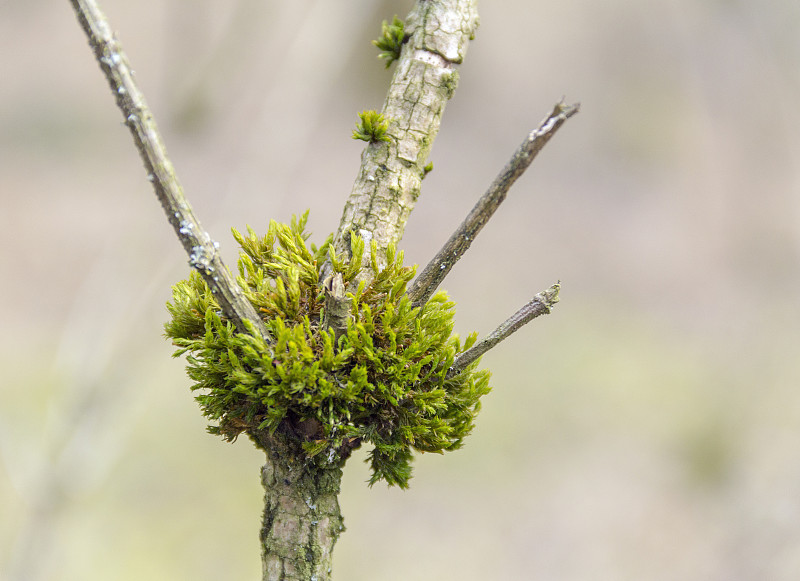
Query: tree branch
(389,181)
(302,520)
(438,268)
(203,251)
(541,304)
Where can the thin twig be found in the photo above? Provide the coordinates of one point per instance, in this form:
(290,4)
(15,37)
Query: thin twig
(203,251)
(437,269)
(541,304)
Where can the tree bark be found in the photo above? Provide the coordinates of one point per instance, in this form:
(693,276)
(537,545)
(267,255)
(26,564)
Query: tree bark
(302,520)
(390,178)
(459,242)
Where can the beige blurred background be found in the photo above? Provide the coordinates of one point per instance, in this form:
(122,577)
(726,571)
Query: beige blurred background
(648,429)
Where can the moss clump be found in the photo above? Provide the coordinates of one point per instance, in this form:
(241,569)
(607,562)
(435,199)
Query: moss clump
(383,382)
(450,83)
(391,40)
(371,127)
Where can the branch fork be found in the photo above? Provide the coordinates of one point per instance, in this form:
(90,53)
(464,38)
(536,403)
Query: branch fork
(302,520)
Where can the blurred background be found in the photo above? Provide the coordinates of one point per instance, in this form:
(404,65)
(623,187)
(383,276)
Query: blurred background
(648,429)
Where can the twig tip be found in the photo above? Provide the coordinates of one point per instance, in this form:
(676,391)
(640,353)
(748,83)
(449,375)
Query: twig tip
(549,297)
(567,111)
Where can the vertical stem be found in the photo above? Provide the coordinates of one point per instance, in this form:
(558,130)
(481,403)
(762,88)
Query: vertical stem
(302,520)
(388,183)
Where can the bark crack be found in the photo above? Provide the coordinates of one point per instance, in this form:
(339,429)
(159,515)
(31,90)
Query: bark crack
(433,58)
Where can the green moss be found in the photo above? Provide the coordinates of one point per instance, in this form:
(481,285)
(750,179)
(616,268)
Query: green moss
(391,40)
(383,382)
(425,144)
(450,83)
(371,127)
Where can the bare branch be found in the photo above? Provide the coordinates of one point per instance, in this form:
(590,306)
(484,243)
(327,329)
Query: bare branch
(202,250)
(541,304)
(438,268)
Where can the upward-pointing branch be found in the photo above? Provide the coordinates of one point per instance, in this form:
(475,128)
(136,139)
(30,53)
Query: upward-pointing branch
(436,35)
(388,183)
(202,250)
(541,304)
(437,269)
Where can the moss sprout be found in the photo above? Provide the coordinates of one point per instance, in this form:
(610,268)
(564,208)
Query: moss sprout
(383,382)
(450,83)
(371,127)
(391,40)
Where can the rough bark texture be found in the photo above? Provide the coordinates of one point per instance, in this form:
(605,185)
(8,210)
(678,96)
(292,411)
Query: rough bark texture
(302,520)
(389,181)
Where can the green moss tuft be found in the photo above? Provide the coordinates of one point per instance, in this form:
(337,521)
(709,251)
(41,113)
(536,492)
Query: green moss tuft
(391,40)
(384,382)
(371,127)
(450,83)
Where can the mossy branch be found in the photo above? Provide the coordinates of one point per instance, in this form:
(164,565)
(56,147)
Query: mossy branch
(438,268)
(313,351)
(430,46)
(382,381)
(203,251)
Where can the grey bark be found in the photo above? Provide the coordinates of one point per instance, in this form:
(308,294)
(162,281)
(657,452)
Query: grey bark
(541,304)
(203,251)
(438,268)
(383,195)
(389,180)
(301,520)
